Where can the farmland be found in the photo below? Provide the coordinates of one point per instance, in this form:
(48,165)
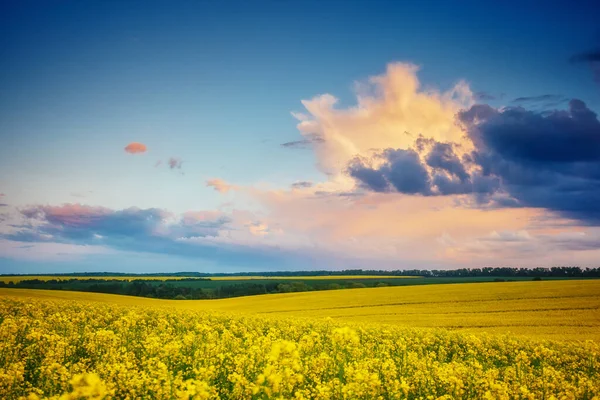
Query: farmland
(348,344)
(568,309)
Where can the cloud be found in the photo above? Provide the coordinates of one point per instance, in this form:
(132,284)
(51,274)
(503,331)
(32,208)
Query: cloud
(2,195)
(310,140)
(175,163)
(238,238)
(436,171)
(135,147)
(157,163)
(549,160)
(132,229)
(540,98)
(302,184)
(258,229)
(387,106)
(443,157)
(562,136)
(220,185)
(518,157)
(401,170)
(512,246)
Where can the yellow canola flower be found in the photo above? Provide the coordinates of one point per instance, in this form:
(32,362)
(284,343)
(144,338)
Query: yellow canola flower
(67,350)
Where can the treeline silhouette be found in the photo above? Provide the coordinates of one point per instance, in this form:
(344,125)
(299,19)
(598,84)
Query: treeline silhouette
(162,290)
(462,272)
(557,272)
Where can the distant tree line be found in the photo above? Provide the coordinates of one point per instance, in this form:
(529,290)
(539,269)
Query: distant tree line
(572,272)
(558,272)
(153,289)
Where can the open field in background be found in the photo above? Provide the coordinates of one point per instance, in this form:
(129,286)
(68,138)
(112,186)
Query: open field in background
(547,309)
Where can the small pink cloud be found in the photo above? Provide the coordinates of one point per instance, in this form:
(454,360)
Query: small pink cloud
(220,185)
(135,147)
(2,195)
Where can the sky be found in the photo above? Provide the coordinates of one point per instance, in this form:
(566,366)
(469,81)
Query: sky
(226,136)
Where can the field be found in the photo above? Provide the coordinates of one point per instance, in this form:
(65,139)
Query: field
(545,310)
(384,343)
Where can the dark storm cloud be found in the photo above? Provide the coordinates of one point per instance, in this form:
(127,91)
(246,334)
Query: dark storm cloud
(522,158)
(571,135)
(442,156)
(547,160)
(369,178)
(401,170)
(404,171)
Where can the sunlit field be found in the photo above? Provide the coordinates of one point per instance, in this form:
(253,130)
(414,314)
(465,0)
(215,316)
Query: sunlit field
(545,310)
(321,345)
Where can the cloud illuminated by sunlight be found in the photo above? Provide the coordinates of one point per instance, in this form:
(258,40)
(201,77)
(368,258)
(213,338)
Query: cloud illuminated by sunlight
(220,185)
(135,148)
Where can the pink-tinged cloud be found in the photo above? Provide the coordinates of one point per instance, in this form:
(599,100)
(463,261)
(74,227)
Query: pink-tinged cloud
(2,195)
(135,148)
(68,215)
(220,185)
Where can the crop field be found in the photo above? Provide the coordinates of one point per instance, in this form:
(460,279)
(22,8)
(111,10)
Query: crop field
(545,310)
(482,340)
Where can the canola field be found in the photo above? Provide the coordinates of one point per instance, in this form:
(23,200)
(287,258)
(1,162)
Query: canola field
(424,342)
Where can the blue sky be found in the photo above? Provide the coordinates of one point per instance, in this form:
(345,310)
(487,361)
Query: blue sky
(213,84)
